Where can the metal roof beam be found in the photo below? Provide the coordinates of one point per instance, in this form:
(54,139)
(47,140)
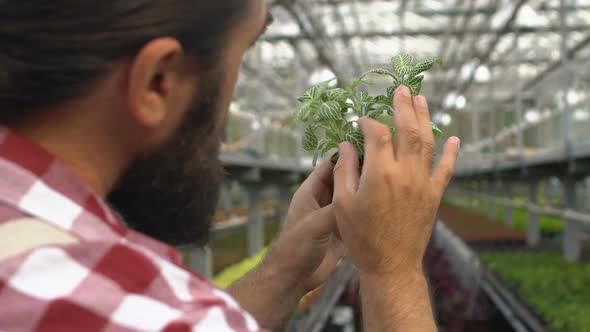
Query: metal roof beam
(352,54)
(312,36)
(553,66)
(485,55)
(425,32)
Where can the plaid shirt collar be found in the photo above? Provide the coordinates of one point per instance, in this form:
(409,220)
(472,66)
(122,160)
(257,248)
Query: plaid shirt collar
(39,184)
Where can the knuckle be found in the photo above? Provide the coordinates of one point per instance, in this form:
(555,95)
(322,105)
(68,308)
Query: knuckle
(423,111)
(388,178)
(413,137)
(406,187)
(429,147)
(340,203)
(384,140)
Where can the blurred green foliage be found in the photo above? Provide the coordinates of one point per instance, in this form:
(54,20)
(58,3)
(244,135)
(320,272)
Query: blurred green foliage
(232,274)
(550,226)
(558,290)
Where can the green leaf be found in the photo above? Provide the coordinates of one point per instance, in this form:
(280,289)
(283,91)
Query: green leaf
(334,136)
(361,97)
(356,138)
(361,103)
(391,90)
(415,89)
(355,84)
(310,139)
(329,111)
(415,84)
(316,156)
(424,65)
(307,110)
(436,131)
(382,108)
(386,119)
(339,95)
(416,80)
(329,145)
(315,93)
(381,71)
(375,113)
(384,100)
(402,64)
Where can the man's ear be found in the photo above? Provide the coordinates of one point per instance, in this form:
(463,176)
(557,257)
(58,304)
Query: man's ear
(153,75)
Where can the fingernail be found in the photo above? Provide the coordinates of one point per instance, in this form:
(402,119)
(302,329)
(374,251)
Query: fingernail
(404,91)
(456,141)
(421,101)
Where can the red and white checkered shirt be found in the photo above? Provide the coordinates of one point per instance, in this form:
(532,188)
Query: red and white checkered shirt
(111,278)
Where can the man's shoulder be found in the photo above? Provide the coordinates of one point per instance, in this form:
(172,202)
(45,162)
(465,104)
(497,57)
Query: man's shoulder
(8,213)
(118,279)
(23,234)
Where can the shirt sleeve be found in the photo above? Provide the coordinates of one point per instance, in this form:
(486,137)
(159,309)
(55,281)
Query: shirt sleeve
(103,286)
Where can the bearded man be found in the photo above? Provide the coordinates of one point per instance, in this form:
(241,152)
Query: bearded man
(111,118)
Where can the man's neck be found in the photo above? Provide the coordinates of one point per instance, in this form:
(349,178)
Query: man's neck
(90,152)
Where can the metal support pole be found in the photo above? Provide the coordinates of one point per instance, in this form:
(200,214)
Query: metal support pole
(225,201)
(565,81)
(571,240)
(260,67)
(493,189)
(475,128)
(255,220)
(482,196)
(484,191)
(300,84)
(508,209)
(475,197)
(201,259)
(518,99)
(285,196)
(534,228)
(494,120)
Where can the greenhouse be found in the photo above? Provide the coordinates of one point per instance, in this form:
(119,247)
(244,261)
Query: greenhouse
(510,248)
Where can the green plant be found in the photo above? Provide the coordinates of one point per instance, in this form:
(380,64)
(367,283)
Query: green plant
(557,290)
(330,114)
(232,274)
(550,226)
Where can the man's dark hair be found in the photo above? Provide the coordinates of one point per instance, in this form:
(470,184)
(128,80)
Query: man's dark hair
(53,50)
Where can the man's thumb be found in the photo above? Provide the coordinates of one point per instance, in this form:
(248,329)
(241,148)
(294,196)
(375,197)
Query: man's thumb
(346,173)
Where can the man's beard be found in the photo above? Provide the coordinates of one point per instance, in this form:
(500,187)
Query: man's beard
(171,194)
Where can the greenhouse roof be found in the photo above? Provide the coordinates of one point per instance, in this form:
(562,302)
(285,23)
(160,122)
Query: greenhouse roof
(489,49)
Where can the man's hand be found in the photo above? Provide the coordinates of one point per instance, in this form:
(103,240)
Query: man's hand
(303,257)
(308,248)
(386,215)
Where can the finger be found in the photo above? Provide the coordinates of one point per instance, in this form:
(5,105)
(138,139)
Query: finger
(408,142)
(423,116)
(378,144)
(446,168)
(346,173)
(323,223)
(333,256)
(319,184)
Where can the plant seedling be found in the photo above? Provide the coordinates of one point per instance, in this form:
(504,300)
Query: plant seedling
(330,114)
